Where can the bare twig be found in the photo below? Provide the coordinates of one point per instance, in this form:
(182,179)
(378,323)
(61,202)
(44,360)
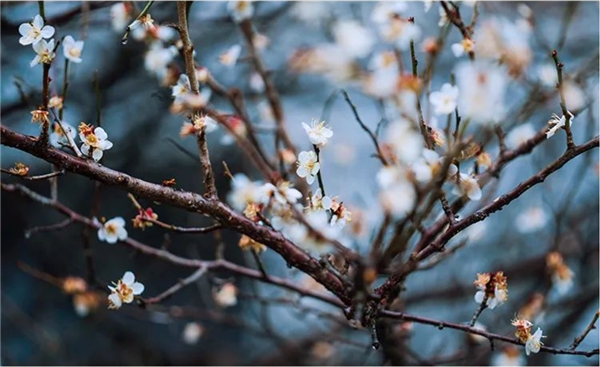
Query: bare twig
(34,178)
(177,287)
(587,330)
(563,103)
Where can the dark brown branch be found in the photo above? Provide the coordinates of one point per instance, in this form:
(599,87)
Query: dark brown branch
(587,330)
(34,178)
(365,128)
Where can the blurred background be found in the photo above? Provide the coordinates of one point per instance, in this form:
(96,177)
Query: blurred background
(39,323)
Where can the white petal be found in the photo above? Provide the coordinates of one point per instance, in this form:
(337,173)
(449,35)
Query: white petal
(326,202)
(47,31)
(100,133)
(315,168)
(35,61)
(458,50)
(24,29)
(38,21)
(302,171)
(97,155)
(137,288)
(310,179)
(128,278)
(85,149)
(115,299)
(110,238)
(101,234)
(121,233)
(479,296)
(119,221)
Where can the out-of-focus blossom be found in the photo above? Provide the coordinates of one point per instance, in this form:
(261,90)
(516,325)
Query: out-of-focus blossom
(240,10)
(86,302)
(73,285)
(575,97)
(226,296)
(312,13)
(476,338)
(248,244)
(145,20)
(509,356)
(56,102)
(534,308)
(45,52)
(230,57)
(384,11)
(320,202)
(556,123)
(58,136)
(340,214)
(492,287)
(547,75)
(502,40)
(355,39)
(468,186)
(190,102)
(482,86)
(382,80)
(120,14)
(443,17)
(444,100)
(72,49)
(192,333)
(243,192)
(34,32)
(256,83)
(466,46)
(562,275)
(95,141)
(329,60)
(113,230)
(519,135)
(124,291)
(158,58)
(397,193)
(404,141)
(318,133)
(308,167)
(429,166)
(531,220)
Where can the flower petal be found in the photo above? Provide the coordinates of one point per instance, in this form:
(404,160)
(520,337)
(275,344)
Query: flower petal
(47,31)
(97,155)
(137,288)
(128,278)
(115,300)
(100,133)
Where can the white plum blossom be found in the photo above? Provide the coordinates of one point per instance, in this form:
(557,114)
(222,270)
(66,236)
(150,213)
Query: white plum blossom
(354,38)
(192,333)
(557,123)
(534,342)
(58,137)
(158,58)
(120,16)
(382,81)
(531,220)
(310,12)
(487,280)
(547,75)
(113,230)
(429,165)
(468,186)
(398,195)
(230,57)
(183,87)
(444,101)
(386,10)
(226,296)
(510,356)
(318,133)
(308,167)
(427,5)
(244,192)
(492,302)
(72,49)
(124,291)
(94,143)
(320,202)
(145,20)
(34,32)
(575,97)
(256,83)
(406,142)
(519,135)
(240,10)
(464,47)
(45,52)
(443,17)
(482,86)
(282,194)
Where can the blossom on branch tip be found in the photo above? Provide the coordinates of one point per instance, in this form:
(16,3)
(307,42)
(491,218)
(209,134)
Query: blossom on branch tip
(561,274)
(308,167)
(19,169)
(320,202)
(533,342)
(226,296)
(72,49)
(124,291)
(95,141)
(468,186)
(140,220)
(45,53)
(466,46)
(318,133)
(493,288)
(230,57)
(557,123)
(113,230)
(240,10)
(34,32)
(444,100)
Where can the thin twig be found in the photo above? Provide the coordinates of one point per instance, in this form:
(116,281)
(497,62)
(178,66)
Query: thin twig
(587,330)
(48,228)
(563,103)
(34,178)
(177,287)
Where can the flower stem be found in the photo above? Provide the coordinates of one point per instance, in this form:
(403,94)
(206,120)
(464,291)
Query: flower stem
(319,177)
(42,10)
(65,88)
(482,307)
(563,103)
